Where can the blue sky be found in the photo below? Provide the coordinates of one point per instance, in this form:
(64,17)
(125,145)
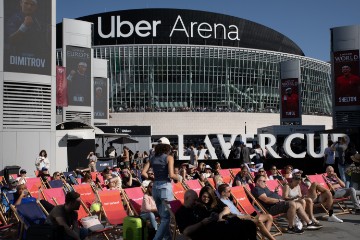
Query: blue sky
(306,22)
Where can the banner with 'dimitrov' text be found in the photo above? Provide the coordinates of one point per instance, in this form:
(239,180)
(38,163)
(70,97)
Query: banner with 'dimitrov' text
(27,36)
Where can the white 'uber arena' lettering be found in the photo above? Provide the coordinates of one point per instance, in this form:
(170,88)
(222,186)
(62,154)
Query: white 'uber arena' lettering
(145,28)
(142,28)
(205,30)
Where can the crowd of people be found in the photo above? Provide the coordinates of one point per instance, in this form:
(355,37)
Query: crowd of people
(205,109)
(212,212)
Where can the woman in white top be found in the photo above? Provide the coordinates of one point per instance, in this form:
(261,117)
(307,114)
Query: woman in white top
(292,191)
(42,161)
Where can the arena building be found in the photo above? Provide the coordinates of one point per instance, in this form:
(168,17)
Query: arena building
(172,60)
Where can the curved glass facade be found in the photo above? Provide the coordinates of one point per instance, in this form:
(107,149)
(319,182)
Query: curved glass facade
(207,78)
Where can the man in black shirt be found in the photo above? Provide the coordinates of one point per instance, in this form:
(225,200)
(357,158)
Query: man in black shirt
(275,205)
(66,216)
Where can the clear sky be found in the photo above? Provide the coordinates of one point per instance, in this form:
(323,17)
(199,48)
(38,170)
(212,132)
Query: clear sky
(306,22)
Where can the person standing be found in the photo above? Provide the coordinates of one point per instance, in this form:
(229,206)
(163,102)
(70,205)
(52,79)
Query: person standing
(339,148)
(245,153)
(92,161)
(126,157)
(162,164)
(329,155)
(354,171)
(193,156)
(42,161)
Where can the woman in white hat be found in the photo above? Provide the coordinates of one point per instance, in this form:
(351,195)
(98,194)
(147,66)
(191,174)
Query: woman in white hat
(162,164)
(354,171)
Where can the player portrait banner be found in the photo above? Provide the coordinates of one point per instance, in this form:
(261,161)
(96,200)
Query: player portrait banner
(290,100)
(347,78)
(78,71)
(61,87)
(100,98)
(27,36)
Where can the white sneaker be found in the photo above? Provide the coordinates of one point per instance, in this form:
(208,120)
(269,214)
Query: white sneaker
(334,218)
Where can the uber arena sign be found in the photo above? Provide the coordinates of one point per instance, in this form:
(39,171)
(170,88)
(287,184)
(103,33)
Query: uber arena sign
(121,28)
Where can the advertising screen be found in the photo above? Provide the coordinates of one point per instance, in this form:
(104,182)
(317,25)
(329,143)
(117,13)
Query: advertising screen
(290,101)
(61,87)
(100,98)
(78,65)
(27,36)
(347,78)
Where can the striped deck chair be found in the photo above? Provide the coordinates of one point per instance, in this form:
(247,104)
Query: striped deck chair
(86,192)
(112,206)
(135,197)
(321,180)
(179,191)
(55,196)
(194,185)
(234,171)
(243,203)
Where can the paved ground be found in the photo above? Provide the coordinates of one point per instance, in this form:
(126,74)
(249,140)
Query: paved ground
(348,230)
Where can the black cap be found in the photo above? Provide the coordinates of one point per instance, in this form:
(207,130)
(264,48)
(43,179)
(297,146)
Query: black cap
(22,171)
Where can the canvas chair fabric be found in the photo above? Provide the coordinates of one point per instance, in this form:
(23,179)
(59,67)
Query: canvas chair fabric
(112,206)
(224,172)
(86,192)
(211,182)
(33,184)
(179,191)
(135,197)
(55,196)
(56,184)
(31,213)
(273,184)
(194,185)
